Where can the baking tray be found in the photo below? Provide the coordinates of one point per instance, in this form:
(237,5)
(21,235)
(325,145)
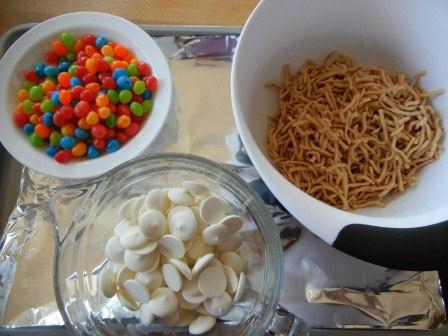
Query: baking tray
(11,170)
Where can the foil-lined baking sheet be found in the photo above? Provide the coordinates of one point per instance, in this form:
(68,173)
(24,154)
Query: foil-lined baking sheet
(323,286)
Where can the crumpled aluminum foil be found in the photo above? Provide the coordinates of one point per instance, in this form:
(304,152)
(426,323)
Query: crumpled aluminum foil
(404,300)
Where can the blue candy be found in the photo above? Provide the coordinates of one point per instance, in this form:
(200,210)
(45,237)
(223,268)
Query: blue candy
(75,81)
(68,142)
(120,72)
(81,134)
(124,83)
(52,150)
(146,95)
(39,69)
(92,152)
(112,145)
(51,71)
(101,41)
(28,129)
(55,98)
(63,66)
(47,119)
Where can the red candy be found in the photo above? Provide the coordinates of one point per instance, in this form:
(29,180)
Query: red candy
(63,156)
(108,83)
(88,95)
(20,118)
(31,76)
(101,65)
(98,131)
(143,69)
(122,137)
(76,91)
(132,130)
(51,57)
(82,108)
(59,119)
(81,71)
(151,83)
(67,111)
(88,39)
(123,109)
(99,143)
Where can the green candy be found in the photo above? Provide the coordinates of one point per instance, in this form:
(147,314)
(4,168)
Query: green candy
(139,87)
(132,70)
(71,56)
(27,106)
(67,39)
(111,121)
(36,141)
(36,93)
(46,106)
(147,106)
(125,96)
(136,109)
(55,138)
(108,59)
(71,69)
(113,96)
(27,85)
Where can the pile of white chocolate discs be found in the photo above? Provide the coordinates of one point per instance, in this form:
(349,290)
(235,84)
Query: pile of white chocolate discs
(173,257)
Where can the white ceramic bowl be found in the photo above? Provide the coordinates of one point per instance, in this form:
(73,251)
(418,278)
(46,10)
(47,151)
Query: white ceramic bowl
(30,49)
(408,36)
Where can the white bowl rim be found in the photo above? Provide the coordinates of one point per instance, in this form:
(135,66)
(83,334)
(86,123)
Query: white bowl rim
(28,156)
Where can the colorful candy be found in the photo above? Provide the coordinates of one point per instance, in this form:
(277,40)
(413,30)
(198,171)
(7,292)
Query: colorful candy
(89,96)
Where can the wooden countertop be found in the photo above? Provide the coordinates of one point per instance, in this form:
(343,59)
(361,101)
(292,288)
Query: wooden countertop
(193,12)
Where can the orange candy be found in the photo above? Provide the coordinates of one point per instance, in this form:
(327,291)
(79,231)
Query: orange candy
(134,79)
(34,119)
(48,86)
(116,64)
(64,79)
(102,100)
(97,56)
(90,65)
(95,87)
(42,130)
(90,50)
(79,149)
(59,48)
(22,95)
(123,121)
(19,108)
(120,51)
(82,123)
(103,112)
(65,97)
(92,118)
(68,129)
(107,50)
(134,61)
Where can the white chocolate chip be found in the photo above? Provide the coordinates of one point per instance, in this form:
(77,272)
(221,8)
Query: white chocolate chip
(180,196)
(126,301)
(195,187)
(233,260)
(114,251)
(172,277)
(136,291)
(138,204)
(201,263)
(170,320)
(232,243)
(215,263)
(133,239)
(201,324)
(212,209)
(157,199)
(212,282)
(197,214)
(186,316)
(152,280)
(124,274)
(215,234)
(182,267)
(146,315)
(108,283)
(218,306)
(185,304)
(191,292)
(139,263)
(163,302)
(198,248)
(201,310)
(233,222)
(152,224)
(182,222)
(171,247)
(241,288)
(232,279)
(121,227)
(116,267)
(125,210)
(149,248)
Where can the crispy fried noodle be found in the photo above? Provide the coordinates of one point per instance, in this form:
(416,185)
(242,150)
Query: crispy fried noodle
(350,135)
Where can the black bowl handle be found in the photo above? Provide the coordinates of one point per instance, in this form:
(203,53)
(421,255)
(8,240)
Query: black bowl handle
(419,249)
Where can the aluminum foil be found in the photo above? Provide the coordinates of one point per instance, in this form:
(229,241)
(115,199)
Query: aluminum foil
(325,287)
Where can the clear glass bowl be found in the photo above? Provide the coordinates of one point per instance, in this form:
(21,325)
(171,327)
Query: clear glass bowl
(85,215)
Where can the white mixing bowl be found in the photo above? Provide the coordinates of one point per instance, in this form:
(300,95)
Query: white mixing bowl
(401,35)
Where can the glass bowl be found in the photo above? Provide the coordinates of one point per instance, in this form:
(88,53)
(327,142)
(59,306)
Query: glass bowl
(84,216)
